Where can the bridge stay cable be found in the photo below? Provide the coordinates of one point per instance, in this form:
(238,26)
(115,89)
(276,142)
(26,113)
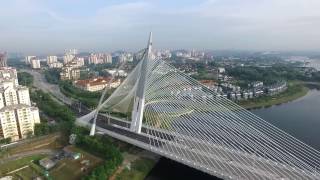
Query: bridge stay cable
(167,112)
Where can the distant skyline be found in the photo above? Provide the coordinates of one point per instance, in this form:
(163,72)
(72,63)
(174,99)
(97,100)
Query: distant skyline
(46,26)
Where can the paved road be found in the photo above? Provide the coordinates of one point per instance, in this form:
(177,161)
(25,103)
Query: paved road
(41,83)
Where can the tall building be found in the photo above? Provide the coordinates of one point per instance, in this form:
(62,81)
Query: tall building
(69,73)
(35,64)
(108,58)
(17,116)
(52,62)
(95,59)
(72,51)
(8,75)
(52,59)
(125,57)
(68,58)
(17,121)
(79,61)
(3,59)
(99,58)
(29,58)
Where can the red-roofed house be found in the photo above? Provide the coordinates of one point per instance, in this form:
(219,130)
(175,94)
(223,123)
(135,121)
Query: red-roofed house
(96,84)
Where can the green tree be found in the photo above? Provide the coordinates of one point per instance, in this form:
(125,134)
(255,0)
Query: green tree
(25,79)
(41,129)
(52,75)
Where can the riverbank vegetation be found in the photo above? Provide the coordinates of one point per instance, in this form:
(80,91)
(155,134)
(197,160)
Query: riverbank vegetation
(296,89)
(138,170)
(295,76)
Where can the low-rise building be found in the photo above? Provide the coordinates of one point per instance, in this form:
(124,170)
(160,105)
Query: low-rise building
(113,72)
(210,84)
(256,84)
(245,95)
(55,65)
(47,163)
(3,59)
(258,92)
(276,88)
(96,84)
(221,70)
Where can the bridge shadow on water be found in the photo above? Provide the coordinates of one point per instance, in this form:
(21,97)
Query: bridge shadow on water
(167,169)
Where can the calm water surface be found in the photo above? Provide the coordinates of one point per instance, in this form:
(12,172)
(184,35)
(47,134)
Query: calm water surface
(300,118)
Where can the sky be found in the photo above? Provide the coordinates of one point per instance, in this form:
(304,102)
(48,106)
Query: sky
(51,26)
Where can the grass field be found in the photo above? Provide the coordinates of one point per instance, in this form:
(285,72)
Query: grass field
(26,173)
(69,169)
(53,141)
(138,171)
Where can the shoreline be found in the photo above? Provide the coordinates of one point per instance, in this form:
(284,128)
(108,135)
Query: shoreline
(296,90)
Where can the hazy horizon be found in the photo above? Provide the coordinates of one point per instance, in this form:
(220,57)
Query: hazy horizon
(43,26)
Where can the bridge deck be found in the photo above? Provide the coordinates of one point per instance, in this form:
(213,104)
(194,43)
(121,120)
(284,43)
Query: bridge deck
(212,159)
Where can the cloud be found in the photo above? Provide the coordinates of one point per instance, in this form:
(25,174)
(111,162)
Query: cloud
(208,24)
(123,15)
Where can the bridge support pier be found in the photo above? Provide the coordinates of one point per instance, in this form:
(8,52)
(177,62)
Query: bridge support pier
(137,115)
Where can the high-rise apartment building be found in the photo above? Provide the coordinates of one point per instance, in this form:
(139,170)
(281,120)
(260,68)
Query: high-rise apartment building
(69,73)
(68,58)
(17,121)
(29,58)
(99,58)
(108,58)
(3,59)
(72,51)
(35,64)
(17,116)
(8,75)
(52,59)
(125,57)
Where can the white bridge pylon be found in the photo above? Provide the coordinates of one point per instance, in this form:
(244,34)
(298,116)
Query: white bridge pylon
(161,109)
(139,99)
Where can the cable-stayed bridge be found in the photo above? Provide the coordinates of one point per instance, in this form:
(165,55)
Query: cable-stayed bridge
(163,110)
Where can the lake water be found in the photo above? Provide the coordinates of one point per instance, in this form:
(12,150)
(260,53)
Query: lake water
(300,118)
